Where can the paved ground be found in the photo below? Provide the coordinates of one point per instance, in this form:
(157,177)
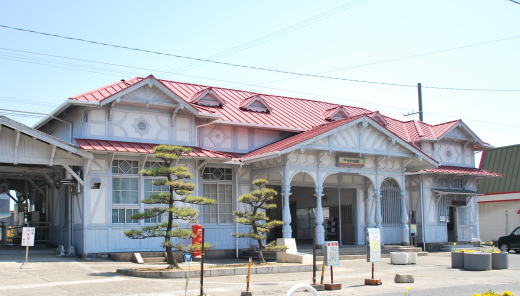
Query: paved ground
(47,274)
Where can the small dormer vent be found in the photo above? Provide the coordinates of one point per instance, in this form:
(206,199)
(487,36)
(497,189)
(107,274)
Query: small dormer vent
(336,113)
(377,117)
(256,104)
(208,97)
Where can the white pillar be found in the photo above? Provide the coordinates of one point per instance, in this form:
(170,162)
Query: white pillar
(320,230)
(286,213)
(368,217)
(405,230)
(378,217)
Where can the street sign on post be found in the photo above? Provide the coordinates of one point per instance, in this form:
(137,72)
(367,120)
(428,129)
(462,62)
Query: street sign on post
(331,253)
(373,242)
(28,236)
(27,241)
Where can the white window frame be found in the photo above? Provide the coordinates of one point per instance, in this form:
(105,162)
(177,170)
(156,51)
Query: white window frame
(226,179)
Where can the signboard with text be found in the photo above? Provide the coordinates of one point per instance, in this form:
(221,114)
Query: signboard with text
(28,236)
(331,253)
(373,241)
(350,161)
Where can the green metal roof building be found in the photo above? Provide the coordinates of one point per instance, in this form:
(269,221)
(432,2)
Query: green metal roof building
(499,207)
(505,161)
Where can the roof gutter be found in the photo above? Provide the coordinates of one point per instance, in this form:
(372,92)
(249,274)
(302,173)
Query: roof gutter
(257,157)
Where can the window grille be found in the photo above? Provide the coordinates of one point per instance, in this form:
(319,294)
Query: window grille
(347,214)
(124,167)
(457,183)
(217,174)
(390,203)
(442,183)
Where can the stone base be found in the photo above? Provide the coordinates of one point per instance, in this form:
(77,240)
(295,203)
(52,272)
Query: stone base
(332,286)
(371,282)
(402,278)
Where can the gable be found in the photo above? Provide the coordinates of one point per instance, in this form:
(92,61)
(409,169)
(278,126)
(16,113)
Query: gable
(358,134)
(150,96)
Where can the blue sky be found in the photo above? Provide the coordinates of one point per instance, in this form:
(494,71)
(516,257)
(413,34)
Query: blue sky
(447,44)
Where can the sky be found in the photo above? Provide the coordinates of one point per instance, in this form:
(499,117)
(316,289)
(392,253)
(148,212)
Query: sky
(373,53)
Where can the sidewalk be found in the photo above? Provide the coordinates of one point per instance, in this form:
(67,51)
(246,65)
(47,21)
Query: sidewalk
(48,274)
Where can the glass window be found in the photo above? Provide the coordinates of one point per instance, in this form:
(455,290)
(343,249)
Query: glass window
(222,211)
(125,190)
(123,216)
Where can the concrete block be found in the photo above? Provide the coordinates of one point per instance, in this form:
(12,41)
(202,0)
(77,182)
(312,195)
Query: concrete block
(284,257)
(412,258)
(137,258)
(399,258)
(290,243)
(403,278)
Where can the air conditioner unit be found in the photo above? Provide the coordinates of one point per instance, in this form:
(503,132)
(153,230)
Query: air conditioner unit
(4,188)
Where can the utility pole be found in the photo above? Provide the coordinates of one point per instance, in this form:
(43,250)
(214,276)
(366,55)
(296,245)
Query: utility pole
(419,92)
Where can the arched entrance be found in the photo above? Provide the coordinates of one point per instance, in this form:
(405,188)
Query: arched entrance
(391,211)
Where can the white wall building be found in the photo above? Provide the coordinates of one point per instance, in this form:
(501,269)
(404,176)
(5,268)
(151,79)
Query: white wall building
(357,166)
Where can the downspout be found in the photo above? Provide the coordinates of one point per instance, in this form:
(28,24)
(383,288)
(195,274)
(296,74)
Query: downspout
(236,208)
(70,126)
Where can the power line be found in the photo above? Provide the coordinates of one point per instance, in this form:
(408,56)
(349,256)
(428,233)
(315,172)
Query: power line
(253,67)
(387,107)
(273,35)
(402,58)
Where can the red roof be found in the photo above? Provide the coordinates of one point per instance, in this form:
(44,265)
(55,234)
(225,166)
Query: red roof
(299,138)
(445,169)
(285,112)
(132,147)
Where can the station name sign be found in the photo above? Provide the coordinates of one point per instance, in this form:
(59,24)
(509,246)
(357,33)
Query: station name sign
(349,161)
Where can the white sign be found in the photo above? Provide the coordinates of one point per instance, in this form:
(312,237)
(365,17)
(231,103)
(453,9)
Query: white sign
(373,242)
(28,236)
(331,253)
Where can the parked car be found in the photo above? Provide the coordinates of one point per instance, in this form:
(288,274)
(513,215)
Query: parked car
(510,242)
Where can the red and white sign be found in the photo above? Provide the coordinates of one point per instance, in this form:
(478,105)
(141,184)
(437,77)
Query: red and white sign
(28,236)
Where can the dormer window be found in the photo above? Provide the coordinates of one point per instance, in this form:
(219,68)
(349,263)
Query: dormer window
(255,104)
(335,114)
(377,117)
(208,97)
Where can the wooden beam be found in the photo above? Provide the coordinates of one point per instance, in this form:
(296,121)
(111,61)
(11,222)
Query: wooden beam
(36,186)
(73,173)
(16,143)
(53,154)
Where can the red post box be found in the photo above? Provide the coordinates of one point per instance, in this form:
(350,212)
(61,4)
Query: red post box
(197,230)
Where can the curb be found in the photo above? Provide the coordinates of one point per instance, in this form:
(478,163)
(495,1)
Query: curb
(216,271)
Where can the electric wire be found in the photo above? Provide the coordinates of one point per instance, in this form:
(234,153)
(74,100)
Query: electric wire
(53,63)
(400,58)
(254,67)
(272,35)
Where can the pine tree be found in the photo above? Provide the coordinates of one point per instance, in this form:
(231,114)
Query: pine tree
(259,200)
(179,191)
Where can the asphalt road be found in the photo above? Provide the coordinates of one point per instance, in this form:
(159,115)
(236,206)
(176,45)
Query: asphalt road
(47,274)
